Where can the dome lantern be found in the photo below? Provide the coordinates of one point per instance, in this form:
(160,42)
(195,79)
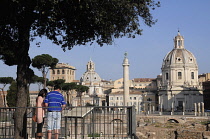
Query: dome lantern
(179,41)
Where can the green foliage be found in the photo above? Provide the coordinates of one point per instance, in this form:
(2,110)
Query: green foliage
(66,23)
(4,117)
(59,82)
(6,80)
(31,76)
(11,95)
(69,86)
(81,88)
(205,122)
(38,80)
(63,22)
(50,83)
(94,135)
(44,61)
(89,104)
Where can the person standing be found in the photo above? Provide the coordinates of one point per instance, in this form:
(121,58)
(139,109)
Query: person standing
(40,112)
(55,103)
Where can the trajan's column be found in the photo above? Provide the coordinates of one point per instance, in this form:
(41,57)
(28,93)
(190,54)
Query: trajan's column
(126,80)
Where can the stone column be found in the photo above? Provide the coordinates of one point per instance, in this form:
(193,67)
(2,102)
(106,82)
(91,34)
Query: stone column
(153,109)
(183,108)
(172,108)
(150,108)
(159,103)
(202,110)
(195,108)
(199,109)
(126,80)
(161,108)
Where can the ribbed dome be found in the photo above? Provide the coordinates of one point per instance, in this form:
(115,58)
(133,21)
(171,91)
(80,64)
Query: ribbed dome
(90,75)
(179,56)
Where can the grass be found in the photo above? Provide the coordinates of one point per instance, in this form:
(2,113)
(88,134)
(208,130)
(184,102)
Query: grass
(94,135)
(205,122)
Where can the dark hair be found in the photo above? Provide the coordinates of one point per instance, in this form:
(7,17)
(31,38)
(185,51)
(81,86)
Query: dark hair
(42,92)
(56,87)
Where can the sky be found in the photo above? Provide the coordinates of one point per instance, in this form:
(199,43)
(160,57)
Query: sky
(145,52)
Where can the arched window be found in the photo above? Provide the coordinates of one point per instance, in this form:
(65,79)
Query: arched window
(149,99)
(166,76)
(63,71)
(58,71)
(179,43)
(53,71)
(179,75)
(192,75)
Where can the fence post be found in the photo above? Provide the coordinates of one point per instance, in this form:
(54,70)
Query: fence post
(33,123)
(131,121)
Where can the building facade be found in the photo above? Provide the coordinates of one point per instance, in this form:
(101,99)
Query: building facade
(179,86)
(205,79)
(63,71)
(91,79)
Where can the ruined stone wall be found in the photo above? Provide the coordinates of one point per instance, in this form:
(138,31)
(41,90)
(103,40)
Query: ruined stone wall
(161,128)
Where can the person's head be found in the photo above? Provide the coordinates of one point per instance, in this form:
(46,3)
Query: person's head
(57,87)
(42,93)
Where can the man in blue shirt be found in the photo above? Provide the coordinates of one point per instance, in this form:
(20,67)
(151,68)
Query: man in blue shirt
(55,103)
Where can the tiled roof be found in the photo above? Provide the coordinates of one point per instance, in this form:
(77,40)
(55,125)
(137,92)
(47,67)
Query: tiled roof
(143,79)
(131,92)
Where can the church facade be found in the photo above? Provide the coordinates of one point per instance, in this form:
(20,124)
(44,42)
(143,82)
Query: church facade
(91,79)
(178,87)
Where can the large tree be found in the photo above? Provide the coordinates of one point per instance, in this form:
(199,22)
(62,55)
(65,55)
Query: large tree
(43,63)
(11,95)
(38,80)
(81,89)
(4,81)
(59,82)
(67,23)
(68,88)
(50,85)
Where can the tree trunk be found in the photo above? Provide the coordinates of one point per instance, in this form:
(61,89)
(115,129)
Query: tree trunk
(80,96)
(4,98)
(22,74)
(1,101)
(45,80)
(68,102)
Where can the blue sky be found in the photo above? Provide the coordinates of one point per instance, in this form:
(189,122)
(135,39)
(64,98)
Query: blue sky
(146,52)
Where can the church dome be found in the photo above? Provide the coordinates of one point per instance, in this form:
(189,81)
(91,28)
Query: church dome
(179,56)
(179,66)
(90,75)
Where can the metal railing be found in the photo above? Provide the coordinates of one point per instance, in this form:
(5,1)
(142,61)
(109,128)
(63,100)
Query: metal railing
(79,123)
